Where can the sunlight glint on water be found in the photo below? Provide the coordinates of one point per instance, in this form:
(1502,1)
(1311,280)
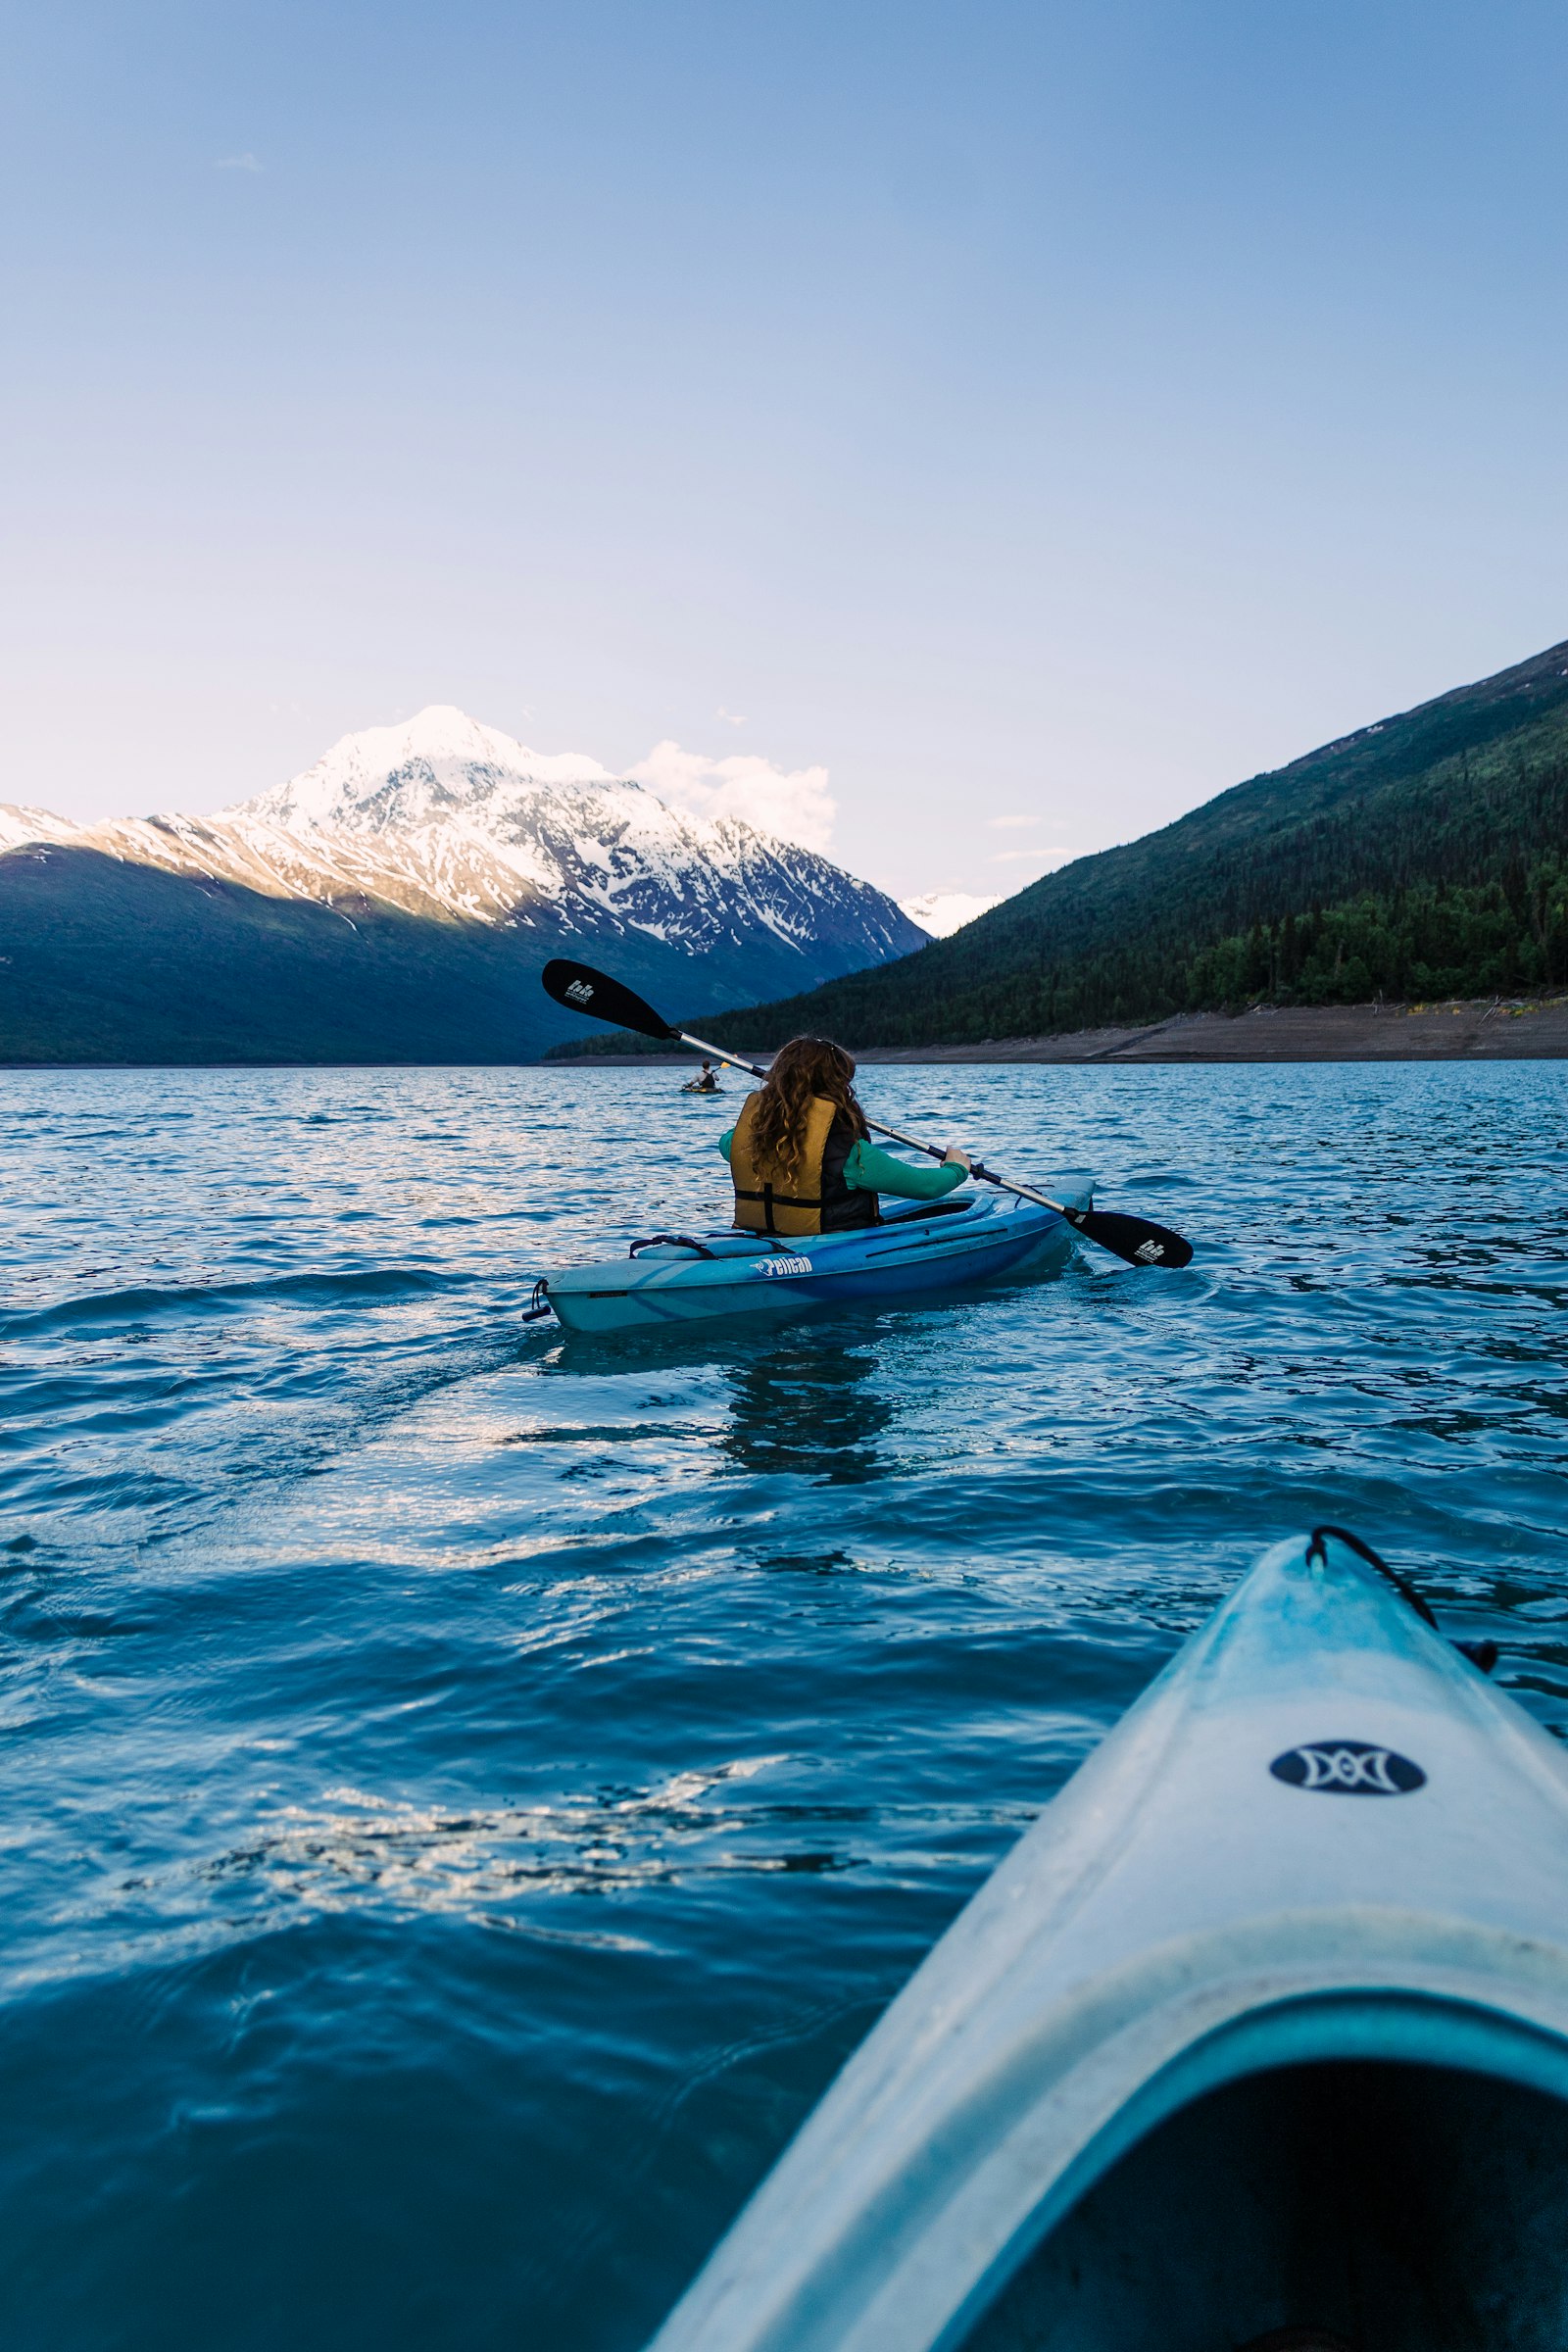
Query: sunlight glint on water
(467,1791)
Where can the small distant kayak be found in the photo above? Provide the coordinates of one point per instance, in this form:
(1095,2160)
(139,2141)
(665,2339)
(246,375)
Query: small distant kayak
(1258,2038)
(692,1088)
(923,1247)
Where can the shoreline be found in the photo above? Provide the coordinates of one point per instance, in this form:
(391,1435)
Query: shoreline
(1454,1029)
(1451,1029)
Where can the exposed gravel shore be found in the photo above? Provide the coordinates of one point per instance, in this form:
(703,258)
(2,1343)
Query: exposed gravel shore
(1450,1031)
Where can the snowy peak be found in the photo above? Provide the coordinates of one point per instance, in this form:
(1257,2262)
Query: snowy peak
(433,768)
(443,818)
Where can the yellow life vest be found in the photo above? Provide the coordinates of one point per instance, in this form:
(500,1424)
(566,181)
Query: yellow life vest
(817,1199)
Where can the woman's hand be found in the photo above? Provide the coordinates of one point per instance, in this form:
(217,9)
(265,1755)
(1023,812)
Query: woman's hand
(952,1158)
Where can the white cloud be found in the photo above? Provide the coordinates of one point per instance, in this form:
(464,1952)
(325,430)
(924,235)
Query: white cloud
(792,803)
(998,823)
(236,163)
(943,911)
(736,719)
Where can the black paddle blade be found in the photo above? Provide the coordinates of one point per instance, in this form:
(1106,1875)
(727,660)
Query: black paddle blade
(1134,1238)
(581,989)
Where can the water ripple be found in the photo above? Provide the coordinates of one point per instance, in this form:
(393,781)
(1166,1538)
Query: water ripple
(441,1755)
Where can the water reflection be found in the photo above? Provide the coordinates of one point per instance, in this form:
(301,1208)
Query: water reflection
(439,1632)
(802,1403)
(808,1406)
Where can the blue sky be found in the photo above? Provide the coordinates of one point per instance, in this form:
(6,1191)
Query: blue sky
(1039,418)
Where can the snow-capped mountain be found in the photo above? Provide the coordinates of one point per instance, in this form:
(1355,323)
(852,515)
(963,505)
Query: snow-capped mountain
(442,817)
(445,812)
(460,827)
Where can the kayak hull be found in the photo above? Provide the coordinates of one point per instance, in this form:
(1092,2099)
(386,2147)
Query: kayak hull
(728,1274)
(1320,1853)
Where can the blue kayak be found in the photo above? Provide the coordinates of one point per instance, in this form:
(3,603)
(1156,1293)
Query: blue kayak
(919,1248)
(1258,2038)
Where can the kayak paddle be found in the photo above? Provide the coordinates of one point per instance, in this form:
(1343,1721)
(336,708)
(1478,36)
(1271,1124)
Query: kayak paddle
(1136,1240)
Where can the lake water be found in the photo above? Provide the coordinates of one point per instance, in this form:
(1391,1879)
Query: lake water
(466,1791)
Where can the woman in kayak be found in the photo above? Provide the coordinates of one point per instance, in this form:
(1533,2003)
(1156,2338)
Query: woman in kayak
(801,1158)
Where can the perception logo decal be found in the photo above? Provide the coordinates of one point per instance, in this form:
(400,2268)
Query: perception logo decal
(1347,1768)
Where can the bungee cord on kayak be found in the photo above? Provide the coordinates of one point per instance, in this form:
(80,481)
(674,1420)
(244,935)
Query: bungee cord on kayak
(1267,2012)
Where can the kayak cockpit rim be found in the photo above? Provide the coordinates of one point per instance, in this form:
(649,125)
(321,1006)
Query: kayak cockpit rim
(1321,1847)
(1396,2026)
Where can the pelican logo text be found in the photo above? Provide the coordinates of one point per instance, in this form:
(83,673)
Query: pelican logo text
(579,992)
(785,1265)
(1347,1768)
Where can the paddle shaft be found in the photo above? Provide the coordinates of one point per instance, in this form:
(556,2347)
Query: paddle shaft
(1135,1241)
(910,1143)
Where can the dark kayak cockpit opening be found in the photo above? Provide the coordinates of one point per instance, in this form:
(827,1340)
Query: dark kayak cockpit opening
(1379,2206)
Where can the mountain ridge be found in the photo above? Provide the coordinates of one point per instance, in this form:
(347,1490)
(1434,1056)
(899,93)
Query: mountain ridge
(440,845)
(1420,854)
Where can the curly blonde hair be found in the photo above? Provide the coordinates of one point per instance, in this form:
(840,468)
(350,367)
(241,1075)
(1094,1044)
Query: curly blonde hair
(806,1066)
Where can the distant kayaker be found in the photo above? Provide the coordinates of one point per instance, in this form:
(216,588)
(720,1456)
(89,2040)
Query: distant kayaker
(705,1082)
(801,1155)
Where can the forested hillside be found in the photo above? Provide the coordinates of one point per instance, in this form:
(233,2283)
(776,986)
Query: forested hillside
(1424,855)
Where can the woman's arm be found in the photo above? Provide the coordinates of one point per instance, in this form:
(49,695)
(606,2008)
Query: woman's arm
(725,1140)
(871,1170)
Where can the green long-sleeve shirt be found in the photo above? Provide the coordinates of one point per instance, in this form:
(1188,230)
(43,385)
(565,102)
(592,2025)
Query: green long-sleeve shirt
(869,1169)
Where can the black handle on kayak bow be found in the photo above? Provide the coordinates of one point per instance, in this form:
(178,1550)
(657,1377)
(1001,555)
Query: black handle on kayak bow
(1482,1653)
(1138,1241)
